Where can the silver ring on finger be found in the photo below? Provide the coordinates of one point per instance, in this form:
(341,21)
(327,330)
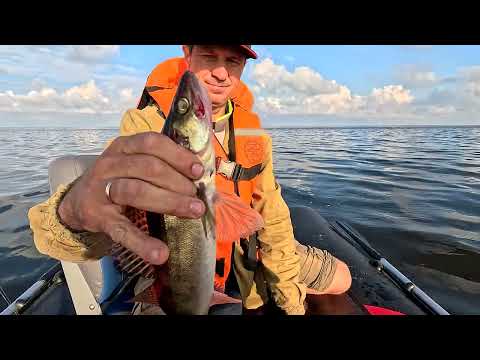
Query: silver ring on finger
(107,191)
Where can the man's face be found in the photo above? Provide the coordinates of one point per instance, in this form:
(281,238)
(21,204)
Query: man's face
(218,67)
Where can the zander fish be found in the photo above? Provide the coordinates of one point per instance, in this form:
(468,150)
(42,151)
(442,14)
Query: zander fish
(185,284)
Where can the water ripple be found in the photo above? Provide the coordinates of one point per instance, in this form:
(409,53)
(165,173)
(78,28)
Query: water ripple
(413,192)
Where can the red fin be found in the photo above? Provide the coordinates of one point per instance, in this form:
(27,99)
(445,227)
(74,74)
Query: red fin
(235,220)
(154,293)
(219,298)
(148,296)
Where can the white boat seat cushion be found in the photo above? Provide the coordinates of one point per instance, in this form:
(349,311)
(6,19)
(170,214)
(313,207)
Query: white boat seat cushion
(101,276)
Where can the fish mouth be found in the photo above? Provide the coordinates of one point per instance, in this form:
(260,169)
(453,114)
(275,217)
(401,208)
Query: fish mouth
(184,141)
(180,139)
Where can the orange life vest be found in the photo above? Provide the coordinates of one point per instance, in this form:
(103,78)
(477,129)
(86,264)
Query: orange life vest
(246,146)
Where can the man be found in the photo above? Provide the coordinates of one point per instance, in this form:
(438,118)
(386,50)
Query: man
(146,170)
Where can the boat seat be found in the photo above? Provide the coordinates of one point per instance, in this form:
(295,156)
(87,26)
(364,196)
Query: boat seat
(89,283)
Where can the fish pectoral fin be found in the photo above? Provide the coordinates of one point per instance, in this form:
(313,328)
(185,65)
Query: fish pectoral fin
(148,296)
(235,220)
(219,298)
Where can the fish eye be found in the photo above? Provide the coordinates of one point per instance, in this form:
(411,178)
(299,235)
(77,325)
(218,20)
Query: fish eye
(182,105)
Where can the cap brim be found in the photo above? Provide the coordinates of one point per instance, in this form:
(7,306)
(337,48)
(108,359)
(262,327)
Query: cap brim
(248,52)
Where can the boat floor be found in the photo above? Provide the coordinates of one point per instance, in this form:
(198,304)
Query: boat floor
(369,286)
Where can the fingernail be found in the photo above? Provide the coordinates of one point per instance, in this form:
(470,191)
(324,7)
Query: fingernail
(157,256)
(197,170)
(196,207)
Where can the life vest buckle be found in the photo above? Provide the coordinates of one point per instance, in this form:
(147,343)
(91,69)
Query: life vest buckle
(229,169)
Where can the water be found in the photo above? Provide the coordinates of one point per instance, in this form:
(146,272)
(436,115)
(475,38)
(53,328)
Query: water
(414,193)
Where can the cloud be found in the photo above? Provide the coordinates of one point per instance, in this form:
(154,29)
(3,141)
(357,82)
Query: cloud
(416,76)
(471,83)
(462,91)
(276,79)
(417,95)
(441,110)
(470,73)
(305,91)
(473,88)
(66,65)
(392,94)
(86,98)
(73,79)
(92,53)
(51,81)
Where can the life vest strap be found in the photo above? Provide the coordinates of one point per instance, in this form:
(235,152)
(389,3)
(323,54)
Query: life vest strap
(146,100)
(250,260)
(236,172)
(220,267)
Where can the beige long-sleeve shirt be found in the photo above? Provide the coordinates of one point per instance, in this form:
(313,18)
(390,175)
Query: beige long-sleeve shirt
(280,264)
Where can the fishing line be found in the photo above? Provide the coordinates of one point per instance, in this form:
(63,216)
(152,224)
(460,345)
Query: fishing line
(4,295)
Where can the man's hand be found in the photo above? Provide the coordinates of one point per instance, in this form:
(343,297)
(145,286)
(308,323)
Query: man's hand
(148,171)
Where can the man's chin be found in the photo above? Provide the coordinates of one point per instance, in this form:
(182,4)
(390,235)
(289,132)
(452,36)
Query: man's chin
(218,100)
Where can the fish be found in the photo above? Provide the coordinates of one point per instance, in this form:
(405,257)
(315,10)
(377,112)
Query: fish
(185,284)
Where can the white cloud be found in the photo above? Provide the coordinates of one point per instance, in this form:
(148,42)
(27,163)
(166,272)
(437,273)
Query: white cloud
(470,73)
(441,110)
(416,76)
(391,94)
(63,64)
(86,98)
(49,81)
(471,85)
(128,98)
(419,95)
(276,79)
(4,70)
(305,91)
(92,53)
(473,88)
(73,79)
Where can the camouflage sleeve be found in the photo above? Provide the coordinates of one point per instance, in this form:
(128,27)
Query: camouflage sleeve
(137,121)
(51,237)
(281,263)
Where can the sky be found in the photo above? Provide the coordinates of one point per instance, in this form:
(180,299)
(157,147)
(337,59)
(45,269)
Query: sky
(90,86)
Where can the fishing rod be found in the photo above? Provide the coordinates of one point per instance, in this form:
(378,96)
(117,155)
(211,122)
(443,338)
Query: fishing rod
(23,302)
(383,265)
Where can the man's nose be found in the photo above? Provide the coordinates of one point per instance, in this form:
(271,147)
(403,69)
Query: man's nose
(220,73)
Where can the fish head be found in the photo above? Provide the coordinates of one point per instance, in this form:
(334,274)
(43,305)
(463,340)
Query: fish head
(189,122)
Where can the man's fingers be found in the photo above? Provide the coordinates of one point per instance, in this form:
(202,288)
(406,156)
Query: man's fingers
(147,168)
(145,196)
(123,232)
(156,144)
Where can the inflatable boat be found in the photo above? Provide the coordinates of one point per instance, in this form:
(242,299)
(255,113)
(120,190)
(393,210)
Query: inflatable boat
(97,288)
